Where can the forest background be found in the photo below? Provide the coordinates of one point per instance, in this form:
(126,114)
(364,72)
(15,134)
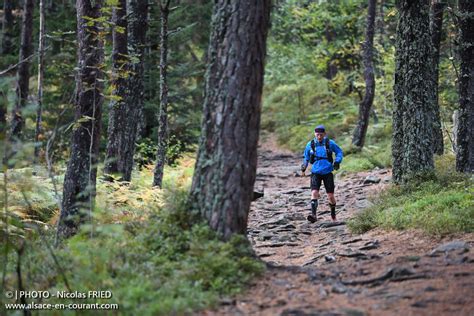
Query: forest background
(140,241)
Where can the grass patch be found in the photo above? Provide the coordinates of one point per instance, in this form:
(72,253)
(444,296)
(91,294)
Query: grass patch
(441,206)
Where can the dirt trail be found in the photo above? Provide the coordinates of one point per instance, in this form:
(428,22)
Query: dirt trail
(322,269)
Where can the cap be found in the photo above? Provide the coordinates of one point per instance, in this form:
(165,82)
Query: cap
(320,129)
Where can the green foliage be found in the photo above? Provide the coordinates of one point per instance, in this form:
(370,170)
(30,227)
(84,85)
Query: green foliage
(298,92)
(145,151)
(189,24)
(440,206)
(159,263)
(331,29)
(376,154)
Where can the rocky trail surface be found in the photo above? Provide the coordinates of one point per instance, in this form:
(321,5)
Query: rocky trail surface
(323,269)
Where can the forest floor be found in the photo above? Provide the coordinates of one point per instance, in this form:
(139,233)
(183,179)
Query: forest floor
(323,269)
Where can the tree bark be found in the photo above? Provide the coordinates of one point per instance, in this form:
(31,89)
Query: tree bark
(117,106)
(455,130)
(40,81)
(381,22)
(7,27)
(3,114)
(331,71)
(465,135)
(125,111)
(436,27)
(360,131)
(412,151)
(224,176)
(137,12)
(80,177)
(163,117)
(22,87)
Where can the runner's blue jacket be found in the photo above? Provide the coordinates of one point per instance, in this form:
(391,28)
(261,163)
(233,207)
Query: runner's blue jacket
(322,166)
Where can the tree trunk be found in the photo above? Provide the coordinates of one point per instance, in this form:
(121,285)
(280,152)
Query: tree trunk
(455,130)
(7,27)
(3,114)
(118,104)
(465,135)
(137,12)
(163,119)
(80,178)
(412,151)
(224,176)
(366,104)
(125,111)
(331,71)
(22,87)
(381,22)
(436,27)
(40,81)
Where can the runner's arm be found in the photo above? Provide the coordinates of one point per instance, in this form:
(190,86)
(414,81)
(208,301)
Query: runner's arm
(305,157)
(337,150)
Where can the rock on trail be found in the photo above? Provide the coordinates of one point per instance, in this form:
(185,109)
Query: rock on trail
(322,269)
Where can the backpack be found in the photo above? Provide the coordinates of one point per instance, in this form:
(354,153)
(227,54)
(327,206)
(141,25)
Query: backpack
(313,159)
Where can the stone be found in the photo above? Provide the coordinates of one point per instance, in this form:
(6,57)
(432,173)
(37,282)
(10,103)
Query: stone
(430,289)
(266,254)
(370,245)
(329,258)
(281,302)
(294,256)
(280,220)
(265,236)
(282,282)
(322,292)
(371,179)
(354,240)
(292,191)
(331,224)
(450,246)
(284,238)
(363,203)
(350,254)
(227,301)
(338,288)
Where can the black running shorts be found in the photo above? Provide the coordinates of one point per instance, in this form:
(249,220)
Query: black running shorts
(328,182)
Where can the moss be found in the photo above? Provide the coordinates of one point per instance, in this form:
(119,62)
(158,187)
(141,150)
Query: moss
(440,206)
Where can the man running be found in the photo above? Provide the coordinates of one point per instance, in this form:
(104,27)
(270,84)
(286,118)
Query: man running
(318,152)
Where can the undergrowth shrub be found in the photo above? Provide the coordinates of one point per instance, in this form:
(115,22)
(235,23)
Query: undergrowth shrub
(163,262)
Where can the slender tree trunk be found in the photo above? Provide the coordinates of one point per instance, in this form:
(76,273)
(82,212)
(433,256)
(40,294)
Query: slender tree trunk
(331,66)
(412,151)
(80,178)
(137,12)
(118,104)
(381,23)
(40,80)
(366,104)
(22,88)
(163,119)
(224,176)
(7,27)
(465,135)
(3,114)
(436,27)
